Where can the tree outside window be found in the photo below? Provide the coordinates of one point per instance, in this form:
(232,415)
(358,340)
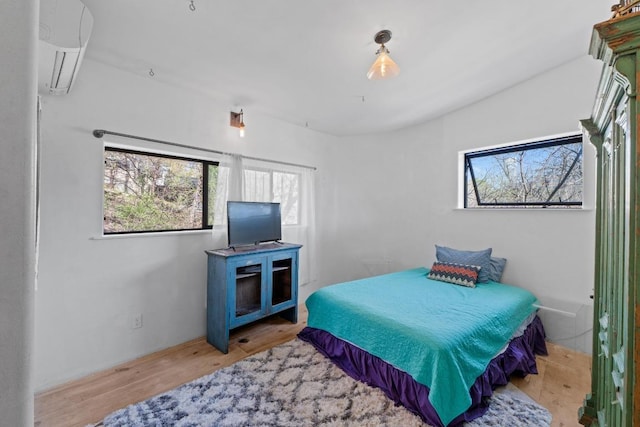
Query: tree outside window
(147,192)
(545,173)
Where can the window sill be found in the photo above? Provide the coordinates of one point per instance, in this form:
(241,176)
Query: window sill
(158,234)
(524,209)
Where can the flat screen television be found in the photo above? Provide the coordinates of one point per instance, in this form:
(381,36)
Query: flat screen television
(250,223)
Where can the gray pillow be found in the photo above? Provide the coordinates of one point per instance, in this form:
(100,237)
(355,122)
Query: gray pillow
(496,268)
(479,258)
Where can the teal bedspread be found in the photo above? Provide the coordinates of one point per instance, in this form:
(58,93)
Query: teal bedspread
(441,334)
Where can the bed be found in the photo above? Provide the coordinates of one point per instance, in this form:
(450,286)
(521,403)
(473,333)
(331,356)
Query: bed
(435,347)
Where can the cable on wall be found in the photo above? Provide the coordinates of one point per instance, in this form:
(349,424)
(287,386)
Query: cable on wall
(99,133)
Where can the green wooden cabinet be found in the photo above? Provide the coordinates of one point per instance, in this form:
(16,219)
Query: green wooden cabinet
(613,129)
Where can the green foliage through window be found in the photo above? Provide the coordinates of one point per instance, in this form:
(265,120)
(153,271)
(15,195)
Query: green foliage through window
(546,173)
(146,192)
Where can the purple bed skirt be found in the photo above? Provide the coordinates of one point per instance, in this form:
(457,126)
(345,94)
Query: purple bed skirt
(517,359)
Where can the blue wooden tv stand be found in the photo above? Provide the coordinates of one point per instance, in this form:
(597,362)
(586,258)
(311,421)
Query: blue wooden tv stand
(247,283)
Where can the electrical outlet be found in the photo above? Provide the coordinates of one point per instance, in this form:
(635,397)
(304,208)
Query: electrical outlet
(137,321)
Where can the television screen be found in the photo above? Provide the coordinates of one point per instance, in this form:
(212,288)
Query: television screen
(250,223)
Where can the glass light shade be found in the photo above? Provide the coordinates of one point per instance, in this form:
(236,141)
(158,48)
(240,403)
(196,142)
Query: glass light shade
(384,67)
(241,130)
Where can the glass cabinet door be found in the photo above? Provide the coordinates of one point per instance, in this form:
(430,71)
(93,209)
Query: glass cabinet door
(282,290)
(248,289)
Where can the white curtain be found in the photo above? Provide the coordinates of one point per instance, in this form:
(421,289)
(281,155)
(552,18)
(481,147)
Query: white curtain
(260,181)
(229,187)
(293,187)
(305,234)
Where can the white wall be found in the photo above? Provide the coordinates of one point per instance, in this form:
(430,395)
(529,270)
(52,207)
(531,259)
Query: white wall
(89,288)
(18,106)
(383,202)
(398,191)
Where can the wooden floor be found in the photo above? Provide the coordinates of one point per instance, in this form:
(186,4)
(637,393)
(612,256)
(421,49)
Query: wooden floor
(560,386)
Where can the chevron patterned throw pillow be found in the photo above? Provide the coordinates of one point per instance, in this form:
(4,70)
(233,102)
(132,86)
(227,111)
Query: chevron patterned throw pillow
(459,274)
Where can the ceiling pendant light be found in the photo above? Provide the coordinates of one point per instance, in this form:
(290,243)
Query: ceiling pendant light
(384,67)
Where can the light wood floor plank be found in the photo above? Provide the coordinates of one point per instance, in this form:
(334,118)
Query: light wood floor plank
(563,380)
(560,386)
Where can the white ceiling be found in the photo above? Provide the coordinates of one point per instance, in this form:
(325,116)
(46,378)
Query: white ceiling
(305,62)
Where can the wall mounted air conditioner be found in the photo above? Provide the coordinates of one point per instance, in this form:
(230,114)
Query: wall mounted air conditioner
(65,27)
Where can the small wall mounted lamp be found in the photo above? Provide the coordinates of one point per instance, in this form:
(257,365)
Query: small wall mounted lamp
(236,120)
(384,67)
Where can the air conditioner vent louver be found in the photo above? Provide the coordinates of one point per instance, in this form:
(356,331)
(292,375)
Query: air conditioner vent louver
(64,70)
(65,26)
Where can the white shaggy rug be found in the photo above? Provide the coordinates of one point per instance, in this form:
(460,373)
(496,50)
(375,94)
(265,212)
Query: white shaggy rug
(294,385)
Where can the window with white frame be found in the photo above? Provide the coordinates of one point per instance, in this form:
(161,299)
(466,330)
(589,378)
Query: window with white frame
(544,173)
(292,186)
(275,186)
